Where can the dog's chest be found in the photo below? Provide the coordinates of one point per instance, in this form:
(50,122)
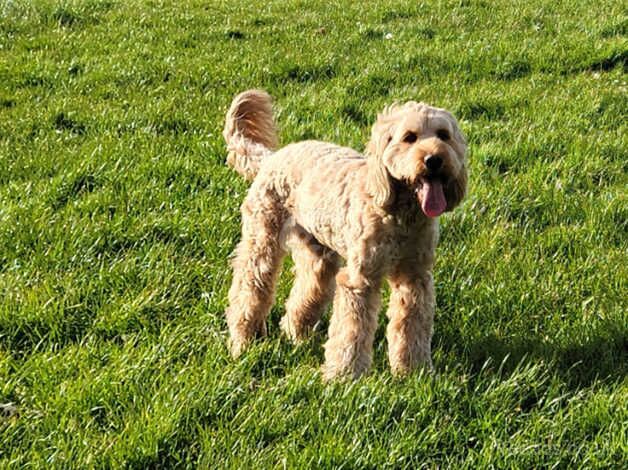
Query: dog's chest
(408,235)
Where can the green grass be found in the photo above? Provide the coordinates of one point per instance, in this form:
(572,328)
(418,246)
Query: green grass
(118,216)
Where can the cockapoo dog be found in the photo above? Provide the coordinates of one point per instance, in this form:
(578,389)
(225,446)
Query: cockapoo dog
(326,203)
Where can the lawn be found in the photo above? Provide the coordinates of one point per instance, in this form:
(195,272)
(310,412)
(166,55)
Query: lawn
(118,217)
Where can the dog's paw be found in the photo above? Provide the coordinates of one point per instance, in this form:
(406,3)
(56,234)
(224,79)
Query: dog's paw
(297,334)
(403,369)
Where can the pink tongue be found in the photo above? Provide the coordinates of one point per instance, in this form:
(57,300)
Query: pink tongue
(432,198)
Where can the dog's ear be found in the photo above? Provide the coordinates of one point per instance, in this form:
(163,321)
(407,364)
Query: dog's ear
(379,183)
(456,189)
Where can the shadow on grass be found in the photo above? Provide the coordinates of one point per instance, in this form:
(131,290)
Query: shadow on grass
(601,356)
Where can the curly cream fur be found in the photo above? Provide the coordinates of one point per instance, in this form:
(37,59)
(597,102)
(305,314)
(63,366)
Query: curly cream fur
(249,131)
(325,203)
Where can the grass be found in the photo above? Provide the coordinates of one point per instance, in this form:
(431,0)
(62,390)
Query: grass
(118,215)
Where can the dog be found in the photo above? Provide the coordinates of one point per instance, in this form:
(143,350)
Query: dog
(349,221)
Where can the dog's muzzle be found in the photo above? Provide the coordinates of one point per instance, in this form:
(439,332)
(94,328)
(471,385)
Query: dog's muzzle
(433,162)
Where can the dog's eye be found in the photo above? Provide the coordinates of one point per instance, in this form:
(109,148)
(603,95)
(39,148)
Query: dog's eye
(442,134)
(410,137)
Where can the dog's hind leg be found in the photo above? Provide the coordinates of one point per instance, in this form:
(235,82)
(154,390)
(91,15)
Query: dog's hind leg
(256,265)
(316,267)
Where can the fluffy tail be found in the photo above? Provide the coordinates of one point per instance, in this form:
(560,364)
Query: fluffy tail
(250,132)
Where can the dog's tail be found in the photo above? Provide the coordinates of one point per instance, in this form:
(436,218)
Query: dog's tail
(250,132)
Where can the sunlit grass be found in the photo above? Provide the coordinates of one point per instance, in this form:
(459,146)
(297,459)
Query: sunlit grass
(118,216)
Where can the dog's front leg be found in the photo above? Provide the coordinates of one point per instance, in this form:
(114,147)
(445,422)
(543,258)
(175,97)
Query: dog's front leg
(411,318)
(349,349)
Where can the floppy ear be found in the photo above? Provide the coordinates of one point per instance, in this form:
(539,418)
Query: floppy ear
(456,189)
(379,184)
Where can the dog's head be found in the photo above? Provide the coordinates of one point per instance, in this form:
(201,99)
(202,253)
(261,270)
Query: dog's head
(422,148)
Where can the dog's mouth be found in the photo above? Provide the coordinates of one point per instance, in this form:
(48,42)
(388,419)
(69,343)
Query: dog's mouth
(431,195)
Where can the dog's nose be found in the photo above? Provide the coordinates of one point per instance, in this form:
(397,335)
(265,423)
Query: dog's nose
(433,162)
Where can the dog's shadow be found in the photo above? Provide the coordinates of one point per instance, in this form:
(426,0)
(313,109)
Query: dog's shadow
(579,362)
(601,356)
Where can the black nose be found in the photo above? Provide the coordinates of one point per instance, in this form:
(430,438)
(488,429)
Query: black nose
(433,162)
